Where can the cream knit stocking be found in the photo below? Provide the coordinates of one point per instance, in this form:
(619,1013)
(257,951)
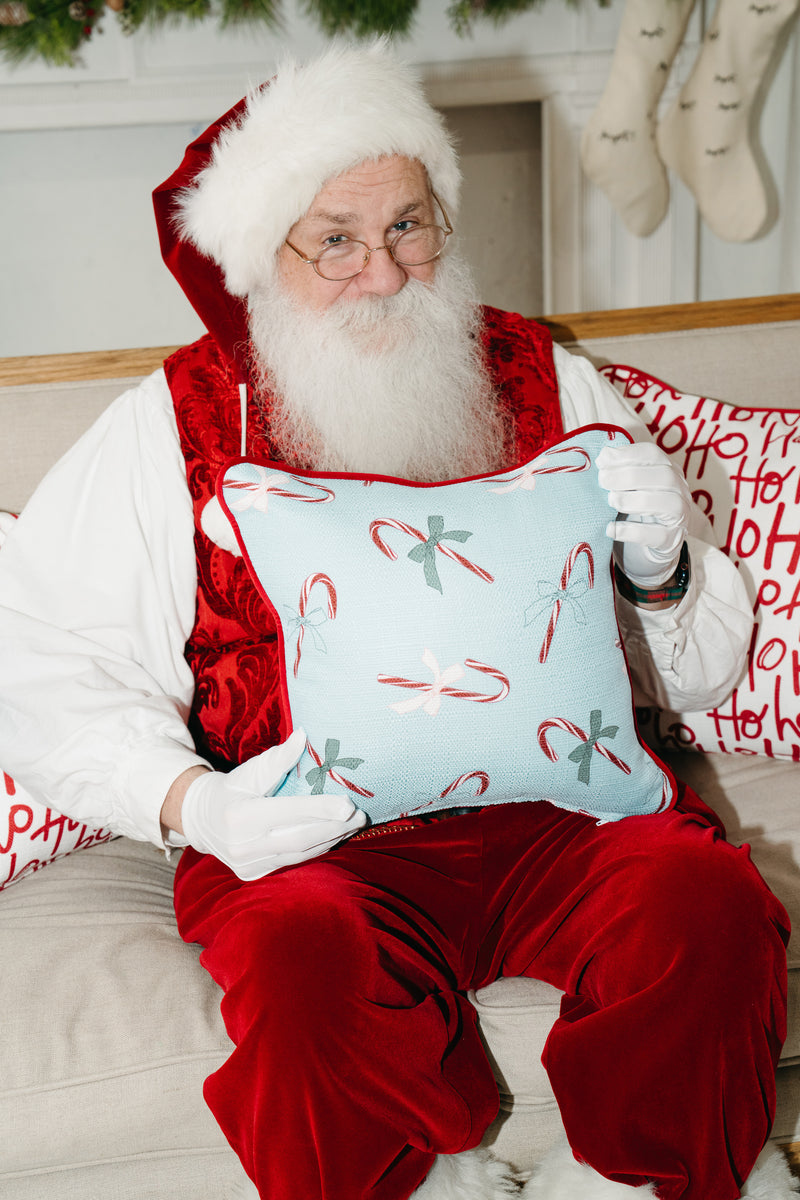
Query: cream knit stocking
(618,149)
(705,136)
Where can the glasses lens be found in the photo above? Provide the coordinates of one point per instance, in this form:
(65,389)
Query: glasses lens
(420,245)
(341,261)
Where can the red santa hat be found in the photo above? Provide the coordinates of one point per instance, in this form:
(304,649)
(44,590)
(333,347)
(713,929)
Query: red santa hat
(310,123)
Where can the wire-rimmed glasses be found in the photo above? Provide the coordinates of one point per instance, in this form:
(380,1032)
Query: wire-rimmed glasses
(410,248)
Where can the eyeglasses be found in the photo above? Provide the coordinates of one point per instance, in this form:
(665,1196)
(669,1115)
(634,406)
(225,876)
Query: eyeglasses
(348,257)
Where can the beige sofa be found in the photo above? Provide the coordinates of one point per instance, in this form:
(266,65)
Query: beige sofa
(109,1024)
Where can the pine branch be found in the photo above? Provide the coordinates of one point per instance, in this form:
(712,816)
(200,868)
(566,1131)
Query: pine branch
(246,12)
(363,17)
(152,13)
(53,30)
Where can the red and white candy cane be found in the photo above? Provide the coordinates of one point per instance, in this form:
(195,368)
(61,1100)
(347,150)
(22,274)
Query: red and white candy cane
(576,731)
(257,491)
(479,697)
(572,558)
(481,783)
(430,694)
(305,592)
(326,494)
(376,526)
(336,777)
(543,466)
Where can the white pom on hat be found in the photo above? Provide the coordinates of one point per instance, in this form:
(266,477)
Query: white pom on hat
(312,122)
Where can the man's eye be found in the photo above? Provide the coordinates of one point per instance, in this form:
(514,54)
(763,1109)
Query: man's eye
(404,226)
(335,239)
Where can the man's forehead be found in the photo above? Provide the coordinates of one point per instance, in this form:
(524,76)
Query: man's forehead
(395,183)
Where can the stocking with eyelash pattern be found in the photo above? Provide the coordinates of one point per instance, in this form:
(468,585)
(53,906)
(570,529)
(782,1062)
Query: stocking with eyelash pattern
(706,137)
(618,149)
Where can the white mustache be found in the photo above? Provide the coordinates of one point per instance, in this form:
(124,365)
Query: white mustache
(389,385)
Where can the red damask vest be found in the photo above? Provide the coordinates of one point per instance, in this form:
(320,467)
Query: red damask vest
(233,648)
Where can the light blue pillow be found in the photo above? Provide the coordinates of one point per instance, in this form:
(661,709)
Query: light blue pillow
(455,644)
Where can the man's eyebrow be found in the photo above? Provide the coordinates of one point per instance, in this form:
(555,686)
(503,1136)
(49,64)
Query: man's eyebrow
(326,217)
(334,218)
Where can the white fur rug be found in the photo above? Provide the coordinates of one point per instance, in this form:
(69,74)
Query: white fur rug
(475,1175)
(771,1178)
(560,1177)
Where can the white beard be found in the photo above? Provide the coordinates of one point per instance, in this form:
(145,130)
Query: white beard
(382,385)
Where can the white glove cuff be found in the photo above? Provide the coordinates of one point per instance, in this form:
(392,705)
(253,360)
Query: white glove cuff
(192,811)
(652,594)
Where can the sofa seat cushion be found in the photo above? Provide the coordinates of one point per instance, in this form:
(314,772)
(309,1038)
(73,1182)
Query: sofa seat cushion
(110,1027)
(515,1017)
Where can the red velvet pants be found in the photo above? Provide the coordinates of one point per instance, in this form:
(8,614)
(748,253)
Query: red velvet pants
(357,1056)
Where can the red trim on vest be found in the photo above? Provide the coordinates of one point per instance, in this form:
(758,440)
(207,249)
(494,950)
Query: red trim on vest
(233,648)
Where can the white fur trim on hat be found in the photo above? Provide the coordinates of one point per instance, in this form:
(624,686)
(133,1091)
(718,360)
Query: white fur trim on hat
(311,123)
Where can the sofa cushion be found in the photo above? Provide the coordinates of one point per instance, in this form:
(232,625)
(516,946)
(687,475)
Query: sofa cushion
(482,665)
(743,467)
(109,1028)
(41,421)
(110,1023)
(515,1018)
(709,359)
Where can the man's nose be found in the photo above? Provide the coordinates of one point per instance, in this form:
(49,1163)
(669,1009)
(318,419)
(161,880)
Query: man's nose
(382,276)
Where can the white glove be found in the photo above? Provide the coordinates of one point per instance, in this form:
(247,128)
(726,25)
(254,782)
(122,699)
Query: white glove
(653,503)
(236,818)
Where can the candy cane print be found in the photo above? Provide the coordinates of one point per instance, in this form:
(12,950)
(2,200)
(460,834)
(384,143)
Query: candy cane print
(10,786)
(429,695)
(479,697)
(527,476)
(258,491)
(576,731)
(572,557)
(336,777)
(385,548)
(305,591)
(482,783)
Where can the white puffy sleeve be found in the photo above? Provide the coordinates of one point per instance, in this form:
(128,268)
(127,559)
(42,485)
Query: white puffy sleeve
(97,599)
(692,655)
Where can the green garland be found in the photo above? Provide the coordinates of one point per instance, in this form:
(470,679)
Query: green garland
(463,13)
(56,30)
(134,14)
(48,29)
(362,17)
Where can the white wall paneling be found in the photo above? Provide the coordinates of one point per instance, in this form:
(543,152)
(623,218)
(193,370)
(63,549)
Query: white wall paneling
(81,150)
